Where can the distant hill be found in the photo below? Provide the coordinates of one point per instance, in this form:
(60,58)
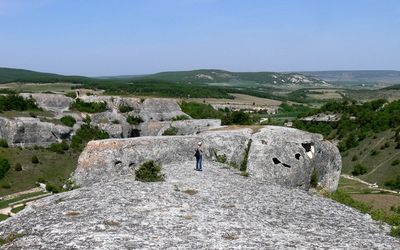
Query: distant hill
(221,77)
(21,75)
(357,76)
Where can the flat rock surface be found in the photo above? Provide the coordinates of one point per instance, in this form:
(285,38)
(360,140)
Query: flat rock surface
(213,209)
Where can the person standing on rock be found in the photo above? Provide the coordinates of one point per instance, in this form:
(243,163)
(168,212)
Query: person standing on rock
(199,157)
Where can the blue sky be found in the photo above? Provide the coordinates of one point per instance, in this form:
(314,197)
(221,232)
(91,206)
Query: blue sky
(117,37)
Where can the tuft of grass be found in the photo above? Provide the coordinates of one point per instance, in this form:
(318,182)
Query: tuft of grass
(314,179)
(190,191)
(17,209)
(134,120)
(149,172)
(10,238)
(72,213)
(170,131)
(395,231)
(219,158)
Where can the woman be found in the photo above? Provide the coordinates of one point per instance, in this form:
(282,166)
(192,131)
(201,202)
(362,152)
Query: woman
(199,157)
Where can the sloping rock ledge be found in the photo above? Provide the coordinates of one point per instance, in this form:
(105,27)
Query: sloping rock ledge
(213,209)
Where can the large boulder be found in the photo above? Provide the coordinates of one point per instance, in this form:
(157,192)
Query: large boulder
(159,109)
(113,123)
(289,156)
(27,131)
(184,127)
(104,160)
(52,102)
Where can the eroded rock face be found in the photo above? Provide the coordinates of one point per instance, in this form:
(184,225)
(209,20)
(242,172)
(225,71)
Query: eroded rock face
(26,131)
(277,155)
(213,209)
(158,109)
(52,102)
(185,127)
(113,123)
(107,159)
(288,157)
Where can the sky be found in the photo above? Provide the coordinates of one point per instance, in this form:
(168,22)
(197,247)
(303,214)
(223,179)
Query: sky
(130,37)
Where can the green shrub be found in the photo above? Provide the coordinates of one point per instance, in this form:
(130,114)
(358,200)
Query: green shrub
(68,121)
(374,152)
(41,180)
(314,179)
(34,159)
(71,94)
(85,134)
(394,183)
(395,162)
(4,167)
(52,188)
(355,158)
(59,147)
(200,110)
(170,131)
(3,143)
(87,119)
(149,172)
(359,170)
(16,102)
(181,118)
(395,231)
(243,163)
(89,107)
(18,167)
(134,120)
(124,108)
(220,158)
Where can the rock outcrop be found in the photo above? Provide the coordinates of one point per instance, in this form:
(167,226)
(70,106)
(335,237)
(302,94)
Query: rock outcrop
(27,131)
(52,102)
(158,109)
(105,160)
(184,127)
(213,209)
(277,155)
(289,156)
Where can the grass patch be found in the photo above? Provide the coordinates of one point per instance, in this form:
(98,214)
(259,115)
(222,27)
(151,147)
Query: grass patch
(170,131)
(5,203)
(10,238)
(17,209)
(53,167)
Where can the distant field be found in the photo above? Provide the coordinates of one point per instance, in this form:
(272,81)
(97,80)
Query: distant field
(240,99)
(361,192)
(40,87)
(325,94)
(52,167)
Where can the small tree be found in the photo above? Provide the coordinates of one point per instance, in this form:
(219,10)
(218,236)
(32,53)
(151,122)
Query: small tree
(149,172)
(18,167)
(359,170)
(35,159)
(4,167)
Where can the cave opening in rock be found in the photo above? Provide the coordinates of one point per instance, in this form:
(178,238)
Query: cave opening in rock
(286,165)
(297,156)
(307,146)
(135,133)
(276,161)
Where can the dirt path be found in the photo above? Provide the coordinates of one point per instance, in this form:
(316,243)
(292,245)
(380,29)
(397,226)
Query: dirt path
(376,145)
(15,195)
(370,185)
(380,165)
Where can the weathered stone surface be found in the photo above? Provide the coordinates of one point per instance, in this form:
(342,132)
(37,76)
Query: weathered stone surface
(287,156)
(51,102)
(277,155)
(158,109)
(107,159)
(26,131)
(328,165)
(185,127)
(213,209)
(113,123)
